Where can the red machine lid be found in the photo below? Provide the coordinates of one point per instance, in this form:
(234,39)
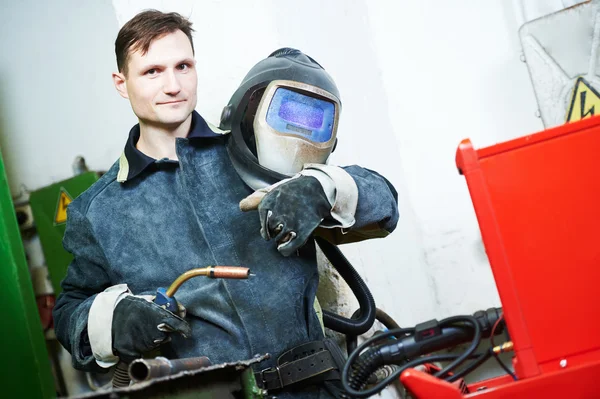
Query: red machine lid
(537,200)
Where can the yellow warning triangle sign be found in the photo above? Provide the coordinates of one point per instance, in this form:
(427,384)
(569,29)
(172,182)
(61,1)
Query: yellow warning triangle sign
(585,102)
(64,199)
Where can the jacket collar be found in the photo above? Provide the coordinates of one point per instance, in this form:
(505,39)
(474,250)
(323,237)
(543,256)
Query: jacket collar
(133,162)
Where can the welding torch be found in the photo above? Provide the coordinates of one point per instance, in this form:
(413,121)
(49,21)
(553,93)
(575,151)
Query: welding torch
(166,297)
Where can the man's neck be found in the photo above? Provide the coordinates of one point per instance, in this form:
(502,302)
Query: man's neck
(158,142)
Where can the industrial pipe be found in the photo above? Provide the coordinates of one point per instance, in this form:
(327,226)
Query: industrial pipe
(146,369)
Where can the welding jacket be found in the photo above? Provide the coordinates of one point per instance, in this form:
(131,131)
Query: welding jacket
(147,221)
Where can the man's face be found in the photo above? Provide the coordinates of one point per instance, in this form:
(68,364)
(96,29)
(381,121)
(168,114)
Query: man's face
(161,85)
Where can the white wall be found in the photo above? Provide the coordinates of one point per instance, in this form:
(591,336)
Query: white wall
(57,99)
(451,71)
(415,78)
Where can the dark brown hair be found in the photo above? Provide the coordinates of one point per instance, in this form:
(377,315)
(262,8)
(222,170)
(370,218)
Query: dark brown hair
(139,32)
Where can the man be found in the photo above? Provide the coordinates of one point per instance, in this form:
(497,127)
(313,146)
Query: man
(171,203)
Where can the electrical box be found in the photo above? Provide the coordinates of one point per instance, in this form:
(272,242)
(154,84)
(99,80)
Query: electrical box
(49,208)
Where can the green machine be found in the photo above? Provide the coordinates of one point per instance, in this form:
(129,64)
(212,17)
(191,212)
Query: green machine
(26,372)
(49,209)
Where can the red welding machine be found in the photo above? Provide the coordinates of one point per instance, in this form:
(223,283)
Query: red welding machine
(537,200)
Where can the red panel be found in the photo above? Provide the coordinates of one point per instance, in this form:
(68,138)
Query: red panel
(468,164)
(573,383)
(537,200)
(490,383)
(423,385)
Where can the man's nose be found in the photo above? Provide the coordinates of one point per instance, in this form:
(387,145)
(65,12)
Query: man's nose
(171,86)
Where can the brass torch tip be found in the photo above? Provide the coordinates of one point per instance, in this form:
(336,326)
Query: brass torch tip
(210,271)
(230,272)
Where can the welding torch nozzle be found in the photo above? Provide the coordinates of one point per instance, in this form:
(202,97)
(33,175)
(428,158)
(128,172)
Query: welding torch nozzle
(235,272)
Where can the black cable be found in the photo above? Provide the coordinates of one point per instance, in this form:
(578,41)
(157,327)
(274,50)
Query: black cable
(351,339)
(478,360)
(352,356)
(495,355)
(359,376)
(381,316)
(481,358)
(382,384)
(474,344)
(394,376)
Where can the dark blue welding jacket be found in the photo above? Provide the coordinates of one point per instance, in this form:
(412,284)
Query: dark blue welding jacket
(147,221)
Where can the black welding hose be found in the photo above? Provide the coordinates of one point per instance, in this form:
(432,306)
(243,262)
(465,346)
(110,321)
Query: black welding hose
(381,316)
(360,366)
(357,371)
(360,290)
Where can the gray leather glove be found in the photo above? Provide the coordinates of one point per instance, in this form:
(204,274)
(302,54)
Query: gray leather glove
(292,211)
(140,326)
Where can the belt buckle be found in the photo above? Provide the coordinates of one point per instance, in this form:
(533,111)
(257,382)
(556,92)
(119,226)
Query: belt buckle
(262,376)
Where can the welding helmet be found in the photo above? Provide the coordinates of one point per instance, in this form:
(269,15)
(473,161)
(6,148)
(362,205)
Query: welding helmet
(283,115)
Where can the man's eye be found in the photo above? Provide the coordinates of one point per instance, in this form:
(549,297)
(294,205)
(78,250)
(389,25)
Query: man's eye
(151,71)
(182,67)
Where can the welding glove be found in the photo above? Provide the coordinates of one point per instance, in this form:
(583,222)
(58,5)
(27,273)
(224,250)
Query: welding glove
(290,211)
(140,326)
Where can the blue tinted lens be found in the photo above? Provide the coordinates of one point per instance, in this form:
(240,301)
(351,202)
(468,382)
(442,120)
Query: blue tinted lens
(299,114)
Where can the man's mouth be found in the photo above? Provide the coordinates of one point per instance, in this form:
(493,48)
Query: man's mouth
(171,102)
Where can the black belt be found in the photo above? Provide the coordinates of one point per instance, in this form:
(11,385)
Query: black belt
(309,363)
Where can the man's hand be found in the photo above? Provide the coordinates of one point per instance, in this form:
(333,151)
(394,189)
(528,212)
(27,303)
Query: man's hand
(140,326)
(289,212)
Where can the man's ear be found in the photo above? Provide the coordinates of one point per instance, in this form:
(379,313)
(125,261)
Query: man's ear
(120,84)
